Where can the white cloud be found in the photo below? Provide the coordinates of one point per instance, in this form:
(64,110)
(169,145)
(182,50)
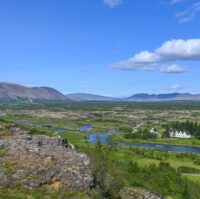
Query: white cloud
(170,51)
(189,14)
(179,50)
(177,87)
(174,68)
(112,3)
(127,65)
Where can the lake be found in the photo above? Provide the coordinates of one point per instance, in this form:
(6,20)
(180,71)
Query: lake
(103,138)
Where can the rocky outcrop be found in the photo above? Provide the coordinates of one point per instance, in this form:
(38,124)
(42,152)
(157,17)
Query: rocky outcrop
(34,161)
(137,193)
(53,141)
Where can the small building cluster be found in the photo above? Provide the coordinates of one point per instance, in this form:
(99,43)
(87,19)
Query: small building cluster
(180,134)
(174,133)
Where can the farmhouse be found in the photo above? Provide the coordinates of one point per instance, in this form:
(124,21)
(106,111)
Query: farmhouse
(179,134)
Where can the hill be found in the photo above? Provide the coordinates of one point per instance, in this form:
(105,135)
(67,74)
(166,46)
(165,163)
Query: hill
(88,97)
(15,91)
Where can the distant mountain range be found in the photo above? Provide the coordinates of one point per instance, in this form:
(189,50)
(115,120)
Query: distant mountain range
(136,97)
(163,97)
(10,91)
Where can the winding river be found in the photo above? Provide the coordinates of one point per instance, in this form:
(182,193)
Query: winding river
(103,138)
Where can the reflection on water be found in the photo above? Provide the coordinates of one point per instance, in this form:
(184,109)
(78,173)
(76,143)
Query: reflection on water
(86,127)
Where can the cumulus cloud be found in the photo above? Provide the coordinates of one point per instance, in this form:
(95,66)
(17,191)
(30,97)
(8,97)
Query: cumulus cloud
(170,51)
(112,3)
(176,87)
(174,68)
(141,61)
(189,14)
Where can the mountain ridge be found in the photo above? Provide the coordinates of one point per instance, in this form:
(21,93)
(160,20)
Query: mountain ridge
(13,91)
(136,97)
(164,97)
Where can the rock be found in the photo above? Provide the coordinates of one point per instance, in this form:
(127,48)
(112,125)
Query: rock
(15,129)
(20,174)
(5,177)
(53,141)
(138,193)
(33,184)
(40,160)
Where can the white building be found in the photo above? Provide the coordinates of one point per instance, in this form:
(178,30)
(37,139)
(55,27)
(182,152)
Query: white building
(179,134)
(154,131)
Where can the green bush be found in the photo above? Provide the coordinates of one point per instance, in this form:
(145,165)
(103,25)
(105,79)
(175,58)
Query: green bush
(197,161)
(141,134)
(126,128)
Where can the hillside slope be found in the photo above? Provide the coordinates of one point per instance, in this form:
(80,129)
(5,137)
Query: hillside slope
(88,97)
(15,91)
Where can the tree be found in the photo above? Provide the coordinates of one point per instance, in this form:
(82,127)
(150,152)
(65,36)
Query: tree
(106,181)
(186,194)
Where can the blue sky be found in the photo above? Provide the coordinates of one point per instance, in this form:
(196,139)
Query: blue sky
(97,46)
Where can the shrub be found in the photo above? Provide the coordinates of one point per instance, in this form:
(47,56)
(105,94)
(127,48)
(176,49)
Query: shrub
(126,128)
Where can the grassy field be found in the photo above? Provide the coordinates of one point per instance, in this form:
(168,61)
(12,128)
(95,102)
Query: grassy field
(193,177)
(143,156)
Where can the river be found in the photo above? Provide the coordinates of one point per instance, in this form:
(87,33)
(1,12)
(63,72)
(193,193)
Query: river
(103,138)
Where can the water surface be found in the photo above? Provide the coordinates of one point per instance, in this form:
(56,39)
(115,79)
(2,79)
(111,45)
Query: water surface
(103,138)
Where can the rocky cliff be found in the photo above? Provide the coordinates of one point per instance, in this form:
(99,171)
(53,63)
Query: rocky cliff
(138,193)
(35,161)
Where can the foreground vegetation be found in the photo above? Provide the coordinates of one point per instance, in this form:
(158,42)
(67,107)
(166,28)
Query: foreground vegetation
(176,175)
